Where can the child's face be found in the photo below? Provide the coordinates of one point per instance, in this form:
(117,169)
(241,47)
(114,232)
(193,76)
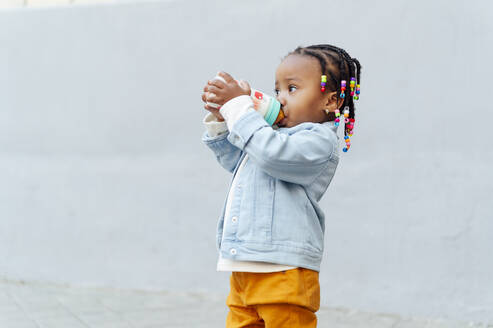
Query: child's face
(298,91)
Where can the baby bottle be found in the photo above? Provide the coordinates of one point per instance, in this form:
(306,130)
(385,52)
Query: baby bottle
(266,105)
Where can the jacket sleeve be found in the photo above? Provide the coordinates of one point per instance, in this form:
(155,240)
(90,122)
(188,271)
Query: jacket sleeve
(298,158)
(215,137)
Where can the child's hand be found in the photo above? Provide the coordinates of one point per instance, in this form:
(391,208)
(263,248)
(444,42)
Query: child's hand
(214,111)
(221,92)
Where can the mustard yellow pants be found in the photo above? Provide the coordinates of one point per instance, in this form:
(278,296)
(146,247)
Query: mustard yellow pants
(273,299)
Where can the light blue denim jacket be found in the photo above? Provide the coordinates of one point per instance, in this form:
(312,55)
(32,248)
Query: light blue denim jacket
(279,219)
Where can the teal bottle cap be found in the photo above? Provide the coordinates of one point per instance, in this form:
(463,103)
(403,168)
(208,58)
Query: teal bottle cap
(273,111)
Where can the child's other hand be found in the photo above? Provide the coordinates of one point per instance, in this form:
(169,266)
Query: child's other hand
(214,111)
(221,92)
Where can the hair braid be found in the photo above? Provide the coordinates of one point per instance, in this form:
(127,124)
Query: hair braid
(336,63)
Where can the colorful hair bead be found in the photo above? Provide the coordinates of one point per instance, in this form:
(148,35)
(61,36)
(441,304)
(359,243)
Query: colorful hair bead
(337,120)
(351,84)
(351,124)
(348,144)
(343,88)
(357,92)
(346,111)
(323,83)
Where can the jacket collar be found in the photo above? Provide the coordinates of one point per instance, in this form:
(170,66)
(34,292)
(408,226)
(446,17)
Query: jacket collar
(331,125)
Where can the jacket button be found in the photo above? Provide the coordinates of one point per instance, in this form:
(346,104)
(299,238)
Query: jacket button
(234,219)
(233,251)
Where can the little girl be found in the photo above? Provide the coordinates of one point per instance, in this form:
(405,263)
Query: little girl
(271,231)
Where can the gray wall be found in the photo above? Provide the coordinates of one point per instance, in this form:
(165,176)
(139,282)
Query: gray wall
(104,179)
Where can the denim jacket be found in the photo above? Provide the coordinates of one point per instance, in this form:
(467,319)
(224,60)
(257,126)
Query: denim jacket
(277,215)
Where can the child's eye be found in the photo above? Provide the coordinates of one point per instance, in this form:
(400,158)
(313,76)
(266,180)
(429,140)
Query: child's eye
(290,88)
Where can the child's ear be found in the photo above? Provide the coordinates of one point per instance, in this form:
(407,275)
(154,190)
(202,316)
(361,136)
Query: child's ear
(333,100)
(340,101)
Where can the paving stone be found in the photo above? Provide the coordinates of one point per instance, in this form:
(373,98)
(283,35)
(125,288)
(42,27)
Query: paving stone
(39,305)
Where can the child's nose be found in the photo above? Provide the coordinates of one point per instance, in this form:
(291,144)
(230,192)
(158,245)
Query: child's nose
(282,100)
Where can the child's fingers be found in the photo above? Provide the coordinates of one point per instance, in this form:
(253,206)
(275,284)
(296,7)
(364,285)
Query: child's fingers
(209,97)
(211,109)
(214,89)
(213,98)
(226,76)
(217,83)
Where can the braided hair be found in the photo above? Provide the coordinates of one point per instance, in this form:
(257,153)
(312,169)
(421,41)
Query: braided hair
(337,65)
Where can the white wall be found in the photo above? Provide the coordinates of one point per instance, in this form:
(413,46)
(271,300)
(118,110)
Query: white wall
(9,4)
(104,179)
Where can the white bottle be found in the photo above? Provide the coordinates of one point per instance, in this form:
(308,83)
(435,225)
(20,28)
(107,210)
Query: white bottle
(266,105)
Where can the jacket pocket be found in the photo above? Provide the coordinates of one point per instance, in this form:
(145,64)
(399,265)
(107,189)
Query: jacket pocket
(289,225)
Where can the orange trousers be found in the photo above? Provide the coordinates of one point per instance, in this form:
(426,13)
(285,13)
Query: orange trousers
(273,299)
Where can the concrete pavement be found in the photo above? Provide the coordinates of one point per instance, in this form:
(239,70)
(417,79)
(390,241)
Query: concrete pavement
(45,305)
